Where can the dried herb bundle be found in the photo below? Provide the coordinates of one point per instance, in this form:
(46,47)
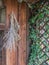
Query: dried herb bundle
(12,36)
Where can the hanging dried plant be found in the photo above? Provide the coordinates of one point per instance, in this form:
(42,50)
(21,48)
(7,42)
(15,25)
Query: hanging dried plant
(12,36)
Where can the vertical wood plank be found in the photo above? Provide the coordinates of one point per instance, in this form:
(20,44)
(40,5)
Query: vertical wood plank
(11,5)
(22,32)
(8,11)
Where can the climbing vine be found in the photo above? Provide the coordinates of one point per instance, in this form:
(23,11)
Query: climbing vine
(33,32)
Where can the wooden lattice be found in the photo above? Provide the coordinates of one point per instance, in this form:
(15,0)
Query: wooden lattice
(43,34)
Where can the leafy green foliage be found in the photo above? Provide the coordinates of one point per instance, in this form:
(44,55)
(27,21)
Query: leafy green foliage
(33,36)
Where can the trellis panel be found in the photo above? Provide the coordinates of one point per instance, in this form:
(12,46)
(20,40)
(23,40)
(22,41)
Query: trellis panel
(43,34)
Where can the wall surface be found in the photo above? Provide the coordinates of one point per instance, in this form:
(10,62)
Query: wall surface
(17,57)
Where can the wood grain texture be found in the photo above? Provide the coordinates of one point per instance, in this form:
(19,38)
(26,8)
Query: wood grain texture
(19,56)
(11,5)
(22,32)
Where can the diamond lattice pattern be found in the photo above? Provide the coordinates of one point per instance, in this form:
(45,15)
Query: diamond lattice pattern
(43,34)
